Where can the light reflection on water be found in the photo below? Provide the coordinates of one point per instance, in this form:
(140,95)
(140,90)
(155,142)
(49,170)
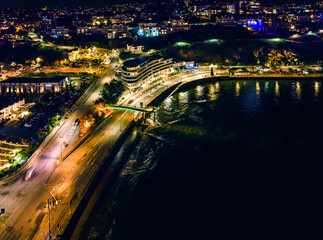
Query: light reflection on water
(317,87)
(212,93)
(298,90)
(250,97)
(217,87)
(257,88)
(183,97)
(199,91)
(266,86)
(167,103)
(237,89)
(277,89)
(244,130)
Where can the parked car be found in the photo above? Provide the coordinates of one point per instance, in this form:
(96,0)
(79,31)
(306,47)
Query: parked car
(28,125)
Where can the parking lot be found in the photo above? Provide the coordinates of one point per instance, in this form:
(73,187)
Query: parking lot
(40,115)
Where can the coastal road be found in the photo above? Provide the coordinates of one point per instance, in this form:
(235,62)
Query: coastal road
(24,200)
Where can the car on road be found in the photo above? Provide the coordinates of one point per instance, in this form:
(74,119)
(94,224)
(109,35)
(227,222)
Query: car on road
(28,125)
(28,174)
(76,122)
(130,101)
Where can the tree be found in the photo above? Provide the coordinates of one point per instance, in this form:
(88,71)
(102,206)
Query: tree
(100,106)
(45,97)
(41,135)
(260,56)
(111,92)
(81,86)
(54,120)
(276,58)
(86,123)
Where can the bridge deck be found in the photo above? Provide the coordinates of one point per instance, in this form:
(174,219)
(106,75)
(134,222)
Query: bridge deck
(146,110)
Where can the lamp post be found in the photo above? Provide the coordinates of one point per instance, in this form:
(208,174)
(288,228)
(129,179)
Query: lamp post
(49,202)
(61,148)
(49,231)
(56,201)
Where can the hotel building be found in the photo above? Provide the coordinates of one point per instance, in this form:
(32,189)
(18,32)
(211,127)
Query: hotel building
(145,69)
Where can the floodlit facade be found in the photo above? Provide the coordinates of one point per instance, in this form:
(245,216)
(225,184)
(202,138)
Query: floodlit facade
(6,111)
(87,30)
(174,25)
(135,49)
(145,69)
(247,7)
(148,30)
(32,85)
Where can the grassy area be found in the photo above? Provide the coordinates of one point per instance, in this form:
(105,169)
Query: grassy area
(125,55)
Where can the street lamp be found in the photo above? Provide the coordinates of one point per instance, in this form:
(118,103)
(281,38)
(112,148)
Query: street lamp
(49,202)
(49,231)
(56,201)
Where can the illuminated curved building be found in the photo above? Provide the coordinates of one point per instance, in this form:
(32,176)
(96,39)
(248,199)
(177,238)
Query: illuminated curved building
(145,69)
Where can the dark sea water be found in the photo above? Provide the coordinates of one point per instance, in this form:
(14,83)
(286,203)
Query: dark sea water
(225,160)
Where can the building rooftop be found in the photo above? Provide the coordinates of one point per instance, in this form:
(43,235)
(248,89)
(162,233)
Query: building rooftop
(139,61)
(54,79)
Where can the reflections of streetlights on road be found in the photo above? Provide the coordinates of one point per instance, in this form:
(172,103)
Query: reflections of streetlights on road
(61,155)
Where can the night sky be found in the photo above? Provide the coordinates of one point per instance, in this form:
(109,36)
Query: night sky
(38,3)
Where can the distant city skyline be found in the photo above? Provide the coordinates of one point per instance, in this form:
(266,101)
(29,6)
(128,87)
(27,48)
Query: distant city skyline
(68,3)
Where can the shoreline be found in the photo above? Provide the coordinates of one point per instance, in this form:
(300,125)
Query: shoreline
(210,79)
(81,209)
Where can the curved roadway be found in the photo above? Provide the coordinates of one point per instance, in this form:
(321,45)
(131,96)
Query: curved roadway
(26,214)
